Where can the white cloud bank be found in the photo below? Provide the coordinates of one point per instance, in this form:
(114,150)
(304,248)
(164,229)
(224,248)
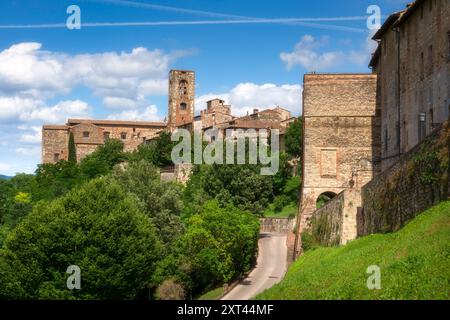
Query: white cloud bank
(307,53)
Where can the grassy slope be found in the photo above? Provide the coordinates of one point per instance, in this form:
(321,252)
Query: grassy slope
(414,262)
(287,212)
(212,295)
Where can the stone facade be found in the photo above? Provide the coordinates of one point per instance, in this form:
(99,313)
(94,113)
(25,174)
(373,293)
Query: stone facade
(181,98)
(413,65)
(55,140)
(341,133)
(89,134)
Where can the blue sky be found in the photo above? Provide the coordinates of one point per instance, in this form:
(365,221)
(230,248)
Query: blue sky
(120,72)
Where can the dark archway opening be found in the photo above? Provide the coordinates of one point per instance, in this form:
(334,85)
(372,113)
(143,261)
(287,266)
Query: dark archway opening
(324,198)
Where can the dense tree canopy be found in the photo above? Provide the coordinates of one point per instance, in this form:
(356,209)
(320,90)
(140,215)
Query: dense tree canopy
(293,138)
(161,200)
(98,227)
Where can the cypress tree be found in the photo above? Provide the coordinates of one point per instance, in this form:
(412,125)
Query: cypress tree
(72,150)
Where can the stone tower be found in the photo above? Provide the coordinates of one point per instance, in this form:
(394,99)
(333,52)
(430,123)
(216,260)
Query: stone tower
(341,137)
(181,98)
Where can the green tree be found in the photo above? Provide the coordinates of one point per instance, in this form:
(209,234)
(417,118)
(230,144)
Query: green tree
(98,227)
(240,185)
(219,244)
(103,159)
(156,151)
(162,201)
(293,138)
(72,149)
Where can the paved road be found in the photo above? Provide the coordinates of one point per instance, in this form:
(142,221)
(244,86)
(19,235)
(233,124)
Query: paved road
(270,268)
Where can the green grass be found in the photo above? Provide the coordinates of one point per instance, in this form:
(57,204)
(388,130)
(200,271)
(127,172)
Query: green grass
(212,295)
(414,263)
(288,211)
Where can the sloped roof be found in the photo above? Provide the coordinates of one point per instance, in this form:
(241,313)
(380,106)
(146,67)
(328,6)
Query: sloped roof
(117,122)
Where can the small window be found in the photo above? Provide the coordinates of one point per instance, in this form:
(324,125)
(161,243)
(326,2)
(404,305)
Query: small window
(422,126)
(106,135)
(421,65)
(421,13)
(85,134)
(183,106)
(56,157)
(123,136)
(431,5)
(448,40)
(385,140)
(430,60)
(182,87)
(134,129)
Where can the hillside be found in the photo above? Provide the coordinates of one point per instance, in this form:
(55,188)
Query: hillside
(414,262)
(4,177)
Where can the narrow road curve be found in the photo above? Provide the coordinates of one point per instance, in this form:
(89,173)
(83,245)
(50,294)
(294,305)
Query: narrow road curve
(270,268)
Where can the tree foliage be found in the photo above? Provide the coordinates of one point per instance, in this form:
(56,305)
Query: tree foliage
(161,200)
(293,138)
(98,227)
(219,244)
(72,149)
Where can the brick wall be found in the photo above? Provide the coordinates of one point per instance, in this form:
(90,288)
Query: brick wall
(418,181)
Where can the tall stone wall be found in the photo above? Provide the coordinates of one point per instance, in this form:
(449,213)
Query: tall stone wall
(341,144)
(416,182)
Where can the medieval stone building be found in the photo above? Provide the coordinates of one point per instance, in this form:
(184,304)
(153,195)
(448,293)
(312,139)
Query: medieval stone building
(413,66)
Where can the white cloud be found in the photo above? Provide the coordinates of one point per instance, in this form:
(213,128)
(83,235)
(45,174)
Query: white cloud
(59,112)
(120,103)
(244,97)
(33,135)
(307,53)
(4,167)
(27,70)
(28,152)
(149,113)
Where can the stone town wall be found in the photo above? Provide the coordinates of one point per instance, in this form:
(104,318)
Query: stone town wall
(276,225)
(418,181)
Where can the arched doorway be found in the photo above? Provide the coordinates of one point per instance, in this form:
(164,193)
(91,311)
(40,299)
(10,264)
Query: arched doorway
(324,198)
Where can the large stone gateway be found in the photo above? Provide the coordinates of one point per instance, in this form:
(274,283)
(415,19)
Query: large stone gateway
(341,138)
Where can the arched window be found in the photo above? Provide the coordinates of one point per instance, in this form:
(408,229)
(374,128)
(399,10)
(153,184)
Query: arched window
(183,106)
(324,198)
(182,87)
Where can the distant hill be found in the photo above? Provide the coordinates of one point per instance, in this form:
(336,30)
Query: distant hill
(4,177)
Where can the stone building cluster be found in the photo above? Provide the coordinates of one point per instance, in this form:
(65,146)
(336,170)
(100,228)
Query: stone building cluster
(357,127)
(89,134)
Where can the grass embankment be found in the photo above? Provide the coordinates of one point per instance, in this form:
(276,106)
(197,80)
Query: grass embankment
(414,264)
(212,295)
(288,211)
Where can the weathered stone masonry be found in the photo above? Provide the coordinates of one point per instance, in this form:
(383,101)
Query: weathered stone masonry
(418,181)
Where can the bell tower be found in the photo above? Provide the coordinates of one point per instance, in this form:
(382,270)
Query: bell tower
(181,98)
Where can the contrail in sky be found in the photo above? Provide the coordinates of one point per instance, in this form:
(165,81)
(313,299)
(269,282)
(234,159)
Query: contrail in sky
(230,19)
(176,23)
